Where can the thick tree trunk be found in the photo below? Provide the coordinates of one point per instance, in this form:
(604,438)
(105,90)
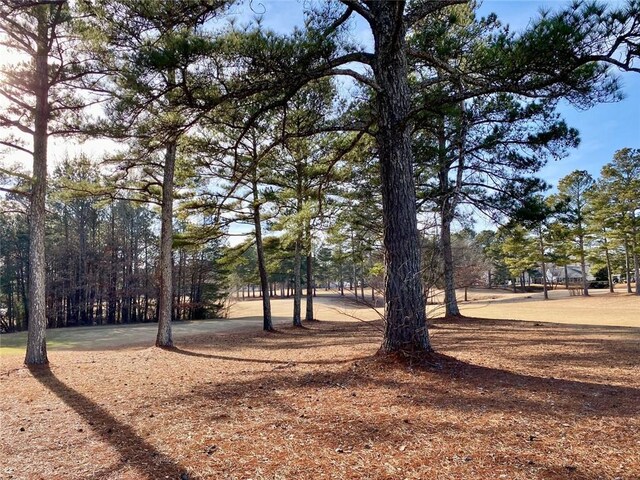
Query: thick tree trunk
(405,322)
(165,294)
(36,353)
(267,323)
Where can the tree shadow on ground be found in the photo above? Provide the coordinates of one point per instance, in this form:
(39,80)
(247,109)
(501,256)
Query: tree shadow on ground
(478,388)
(415,394)
(580,346)
(575,395)
(134,451)
(281,363)
(296,338)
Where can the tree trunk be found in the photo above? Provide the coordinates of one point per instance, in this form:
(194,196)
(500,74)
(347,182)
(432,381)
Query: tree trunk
(111,296)
(636,263)
(309,309)
(36,353)
(354,271)
(405,320)
(165,294)
(450,300)
(583,268)
(297,283)
(608,258)
(627,264)
(566,277)
(267,323)
(544,268)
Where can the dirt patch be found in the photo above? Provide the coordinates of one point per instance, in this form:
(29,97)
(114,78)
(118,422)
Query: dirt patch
(501,400)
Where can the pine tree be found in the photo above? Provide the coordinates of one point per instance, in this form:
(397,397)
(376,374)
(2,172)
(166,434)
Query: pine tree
(41,105)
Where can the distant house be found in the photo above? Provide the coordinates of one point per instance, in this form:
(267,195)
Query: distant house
(574,274)
(557,274)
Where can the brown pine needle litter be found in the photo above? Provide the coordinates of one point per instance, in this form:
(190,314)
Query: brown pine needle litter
(500,400)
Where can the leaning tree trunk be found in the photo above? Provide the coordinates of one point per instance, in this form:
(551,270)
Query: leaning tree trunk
(36,337)
(405,322)
(267,323)
(165,295)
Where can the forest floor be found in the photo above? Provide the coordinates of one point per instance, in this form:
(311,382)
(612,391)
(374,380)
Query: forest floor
(500,400)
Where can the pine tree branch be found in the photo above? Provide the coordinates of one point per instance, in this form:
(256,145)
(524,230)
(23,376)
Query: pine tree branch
(360,9)
(15,146)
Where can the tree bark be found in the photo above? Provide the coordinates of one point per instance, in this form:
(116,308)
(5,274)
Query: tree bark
(544,267)
(309,259)
(309,307)
(627,264)
(267,323)
(297,283)
(165,294)
(450,300)
(636,263)
(583,268)
(608,258)
(405,322)
(36,353)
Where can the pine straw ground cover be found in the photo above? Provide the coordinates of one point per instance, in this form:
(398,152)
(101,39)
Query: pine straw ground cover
(501,400)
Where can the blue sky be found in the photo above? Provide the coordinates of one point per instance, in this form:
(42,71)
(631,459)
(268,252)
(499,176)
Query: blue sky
(603,129)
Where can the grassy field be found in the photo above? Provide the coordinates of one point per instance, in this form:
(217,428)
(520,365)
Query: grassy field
(600,308)
(500,400)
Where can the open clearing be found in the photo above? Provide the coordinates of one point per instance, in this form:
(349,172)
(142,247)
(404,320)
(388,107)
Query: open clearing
(600,308)
(502,399)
